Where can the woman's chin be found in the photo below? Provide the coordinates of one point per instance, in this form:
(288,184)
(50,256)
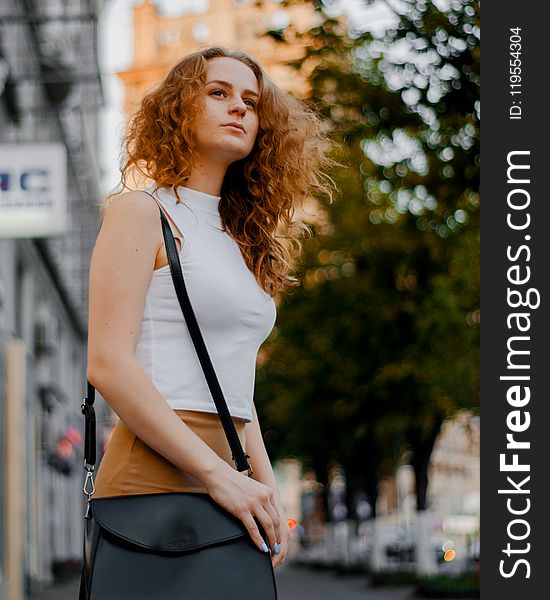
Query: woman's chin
(234,154)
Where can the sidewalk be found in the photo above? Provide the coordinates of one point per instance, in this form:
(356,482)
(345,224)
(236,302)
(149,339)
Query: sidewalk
(68,590)
(302,583)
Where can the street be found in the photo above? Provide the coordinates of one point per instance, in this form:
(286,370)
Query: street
(301,583)
(293,583)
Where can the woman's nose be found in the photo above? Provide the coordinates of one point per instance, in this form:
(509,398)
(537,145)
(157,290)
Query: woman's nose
(238,107)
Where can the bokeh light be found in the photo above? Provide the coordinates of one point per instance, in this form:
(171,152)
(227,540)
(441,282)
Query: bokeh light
(64,448)
(449,556)
(74,436)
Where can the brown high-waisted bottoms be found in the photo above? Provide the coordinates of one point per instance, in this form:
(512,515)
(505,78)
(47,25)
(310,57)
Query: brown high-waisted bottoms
(129,466)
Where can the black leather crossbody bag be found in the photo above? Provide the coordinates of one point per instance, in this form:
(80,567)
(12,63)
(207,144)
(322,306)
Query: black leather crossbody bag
(174,545)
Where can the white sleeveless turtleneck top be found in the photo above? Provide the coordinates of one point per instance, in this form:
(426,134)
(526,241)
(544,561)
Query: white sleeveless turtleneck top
(234,313)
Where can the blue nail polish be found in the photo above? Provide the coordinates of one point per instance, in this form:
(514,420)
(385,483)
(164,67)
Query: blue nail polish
(277,548)
(264,547)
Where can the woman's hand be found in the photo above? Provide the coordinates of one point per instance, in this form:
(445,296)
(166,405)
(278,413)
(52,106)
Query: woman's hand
(278,559)
(248,499)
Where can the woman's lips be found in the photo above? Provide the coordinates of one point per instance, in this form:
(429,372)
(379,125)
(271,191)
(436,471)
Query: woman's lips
(235,127)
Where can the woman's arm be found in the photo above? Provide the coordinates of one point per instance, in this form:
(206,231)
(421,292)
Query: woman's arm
(263,472)
(120,273)
(259,459)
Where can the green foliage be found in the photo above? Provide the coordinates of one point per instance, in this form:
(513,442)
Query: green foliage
(380,343)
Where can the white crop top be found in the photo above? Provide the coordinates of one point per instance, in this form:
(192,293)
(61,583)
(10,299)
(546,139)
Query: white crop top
(234,313)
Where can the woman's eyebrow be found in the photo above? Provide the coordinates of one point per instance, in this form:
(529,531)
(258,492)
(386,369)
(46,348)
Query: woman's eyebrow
(230,85)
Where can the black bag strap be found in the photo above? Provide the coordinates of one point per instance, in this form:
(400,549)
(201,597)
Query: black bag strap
(238,454)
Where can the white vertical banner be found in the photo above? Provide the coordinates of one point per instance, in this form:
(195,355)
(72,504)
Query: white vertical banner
(33,190)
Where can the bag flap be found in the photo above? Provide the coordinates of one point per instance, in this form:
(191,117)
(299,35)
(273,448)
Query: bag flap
(167,521)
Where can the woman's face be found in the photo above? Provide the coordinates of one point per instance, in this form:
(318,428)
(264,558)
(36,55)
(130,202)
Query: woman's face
(226,128)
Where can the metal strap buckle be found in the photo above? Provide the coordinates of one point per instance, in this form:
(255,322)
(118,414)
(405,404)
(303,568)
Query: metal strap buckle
(249,471)
(88,493)
(90,479)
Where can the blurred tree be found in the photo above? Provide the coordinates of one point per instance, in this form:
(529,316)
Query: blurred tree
(381,342)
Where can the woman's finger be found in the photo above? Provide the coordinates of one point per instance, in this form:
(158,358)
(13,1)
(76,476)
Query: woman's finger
(266,521)
(278,559)
(276,519)
(254,532)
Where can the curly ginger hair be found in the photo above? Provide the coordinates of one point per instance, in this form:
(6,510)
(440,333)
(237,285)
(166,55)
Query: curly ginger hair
(259,193)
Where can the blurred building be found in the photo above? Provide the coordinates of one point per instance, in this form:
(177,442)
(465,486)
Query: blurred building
(50,93)
(453,495)
(160,41)
(454,488)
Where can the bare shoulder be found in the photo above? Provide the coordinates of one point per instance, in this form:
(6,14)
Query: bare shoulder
(133,214)
(134,205)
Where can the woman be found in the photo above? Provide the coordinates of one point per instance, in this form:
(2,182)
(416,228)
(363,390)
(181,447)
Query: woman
(230,155)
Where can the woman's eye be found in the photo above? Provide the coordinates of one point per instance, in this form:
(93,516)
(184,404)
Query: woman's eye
(249,102)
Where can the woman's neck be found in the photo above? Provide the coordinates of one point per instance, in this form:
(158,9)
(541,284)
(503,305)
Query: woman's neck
(207,177)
